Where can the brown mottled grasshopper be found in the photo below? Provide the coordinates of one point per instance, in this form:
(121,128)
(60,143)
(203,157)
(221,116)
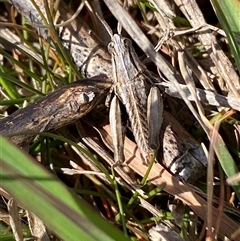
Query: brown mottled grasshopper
(143,103)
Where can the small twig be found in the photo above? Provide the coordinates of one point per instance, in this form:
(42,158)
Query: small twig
(58,109)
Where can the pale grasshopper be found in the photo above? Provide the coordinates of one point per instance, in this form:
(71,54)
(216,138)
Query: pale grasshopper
(134,86)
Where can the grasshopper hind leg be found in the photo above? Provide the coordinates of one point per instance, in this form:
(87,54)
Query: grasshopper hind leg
(117,130)
(154,117)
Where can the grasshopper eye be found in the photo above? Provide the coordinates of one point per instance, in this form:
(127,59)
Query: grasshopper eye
(111,47)
(127,43)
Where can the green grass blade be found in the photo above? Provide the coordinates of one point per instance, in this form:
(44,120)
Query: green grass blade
(10,79)
(70,217)
(227,163)
(228,15)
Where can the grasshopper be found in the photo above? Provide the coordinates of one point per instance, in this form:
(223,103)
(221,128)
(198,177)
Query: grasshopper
(134,86)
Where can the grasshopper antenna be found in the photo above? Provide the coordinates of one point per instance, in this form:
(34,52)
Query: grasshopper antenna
(104,23)
(107,27)
(119,28)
